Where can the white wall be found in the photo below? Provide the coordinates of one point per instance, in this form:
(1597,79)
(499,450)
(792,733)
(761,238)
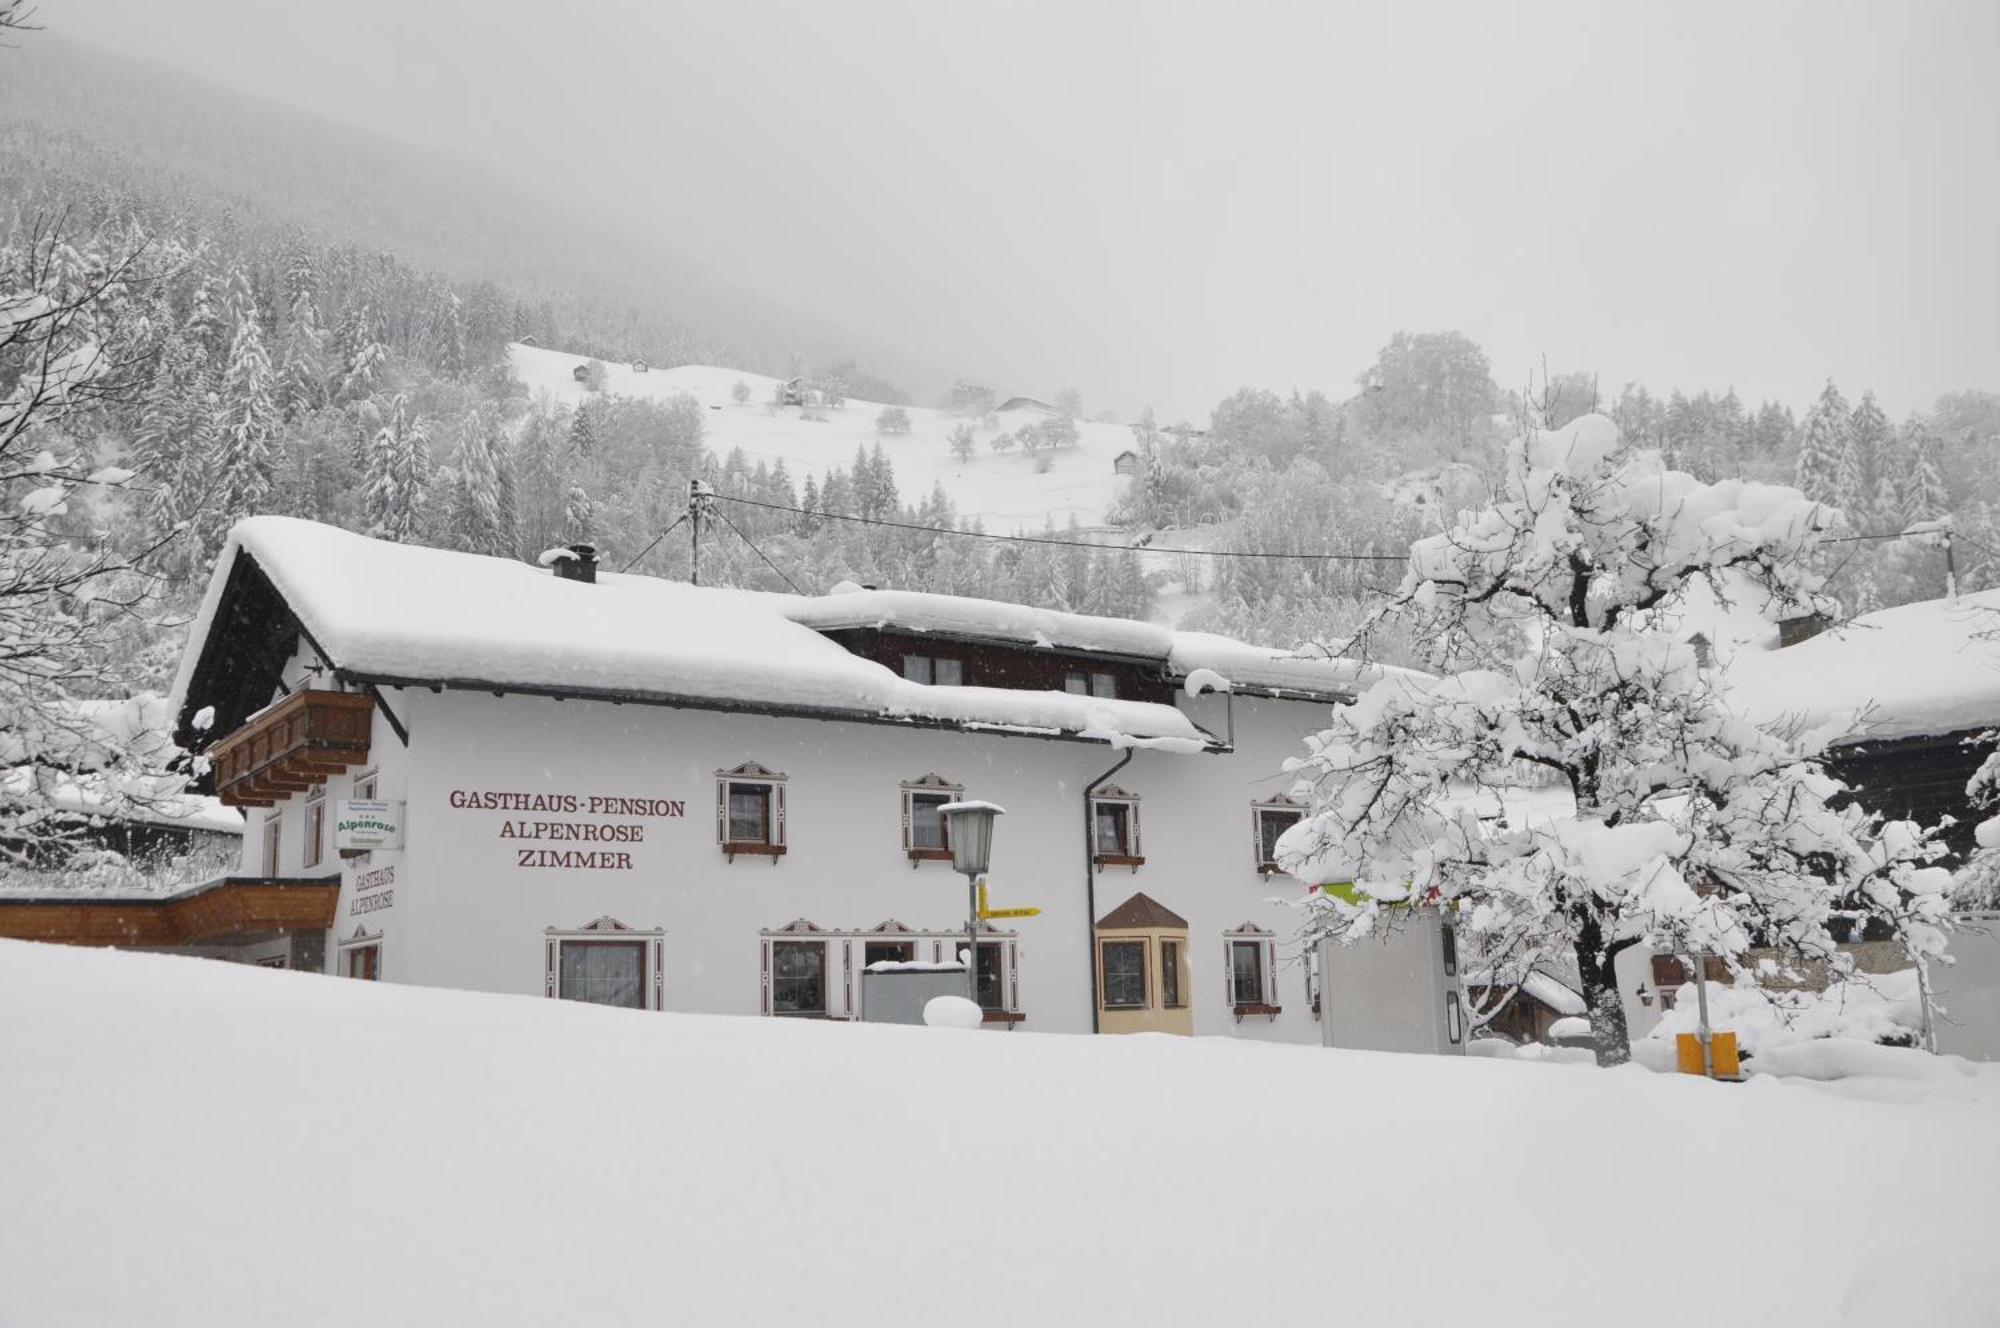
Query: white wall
(466,914)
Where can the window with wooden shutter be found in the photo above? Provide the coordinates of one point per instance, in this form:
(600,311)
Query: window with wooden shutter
(926,836)
(1249,961)
(750,812)
(1114,829)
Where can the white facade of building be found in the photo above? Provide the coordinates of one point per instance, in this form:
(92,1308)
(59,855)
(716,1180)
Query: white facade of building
(536,830)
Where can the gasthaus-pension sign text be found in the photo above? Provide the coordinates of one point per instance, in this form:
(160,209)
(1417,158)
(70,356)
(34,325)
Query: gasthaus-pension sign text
(548,819)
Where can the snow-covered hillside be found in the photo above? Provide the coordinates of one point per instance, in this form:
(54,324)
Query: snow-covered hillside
(187,1142)
(1002,489)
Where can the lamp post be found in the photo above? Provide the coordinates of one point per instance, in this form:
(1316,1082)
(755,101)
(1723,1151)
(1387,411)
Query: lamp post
(969,831)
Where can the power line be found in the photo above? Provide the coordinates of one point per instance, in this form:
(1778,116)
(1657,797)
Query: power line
(655,544)
(1059,543)
(760,553)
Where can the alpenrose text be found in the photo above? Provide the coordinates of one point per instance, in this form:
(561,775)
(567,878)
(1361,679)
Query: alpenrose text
(589,832)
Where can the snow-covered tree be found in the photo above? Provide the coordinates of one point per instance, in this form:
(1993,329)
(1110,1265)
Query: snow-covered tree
(1921,494)
(476,498)
(1824,439)
(1694,830)
(397,475)
(1858,472)
(892,420)
(246,426)
(964,444)
(66,349)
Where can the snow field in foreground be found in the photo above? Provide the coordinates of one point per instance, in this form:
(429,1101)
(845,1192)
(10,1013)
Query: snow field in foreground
(188,1142)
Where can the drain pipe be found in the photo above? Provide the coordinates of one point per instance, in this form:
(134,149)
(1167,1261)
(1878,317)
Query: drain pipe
(1090,874)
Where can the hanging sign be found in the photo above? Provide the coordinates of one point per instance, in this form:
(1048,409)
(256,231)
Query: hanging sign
(363,824)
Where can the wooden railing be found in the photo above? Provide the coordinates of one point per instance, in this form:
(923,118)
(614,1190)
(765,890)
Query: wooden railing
(292,746)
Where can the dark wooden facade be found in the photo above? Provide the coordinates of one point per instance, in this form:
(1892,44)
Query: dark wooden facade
(1005,664)
(1921,779)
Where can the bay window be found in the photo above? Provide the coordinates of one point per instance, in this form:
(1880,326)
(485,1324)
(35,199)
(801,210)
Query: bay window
(1122,968)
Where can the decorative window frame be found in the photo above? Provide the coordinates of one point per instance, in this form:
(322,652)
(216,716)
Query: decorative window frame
(1132,857)
(1281,803)
(362,939)
(600,930)
(750,772)
(847,951)
(933,785)
(367,785)
(312,844)
(1146,976)
(1267,971)
(271,843)
(1174,948)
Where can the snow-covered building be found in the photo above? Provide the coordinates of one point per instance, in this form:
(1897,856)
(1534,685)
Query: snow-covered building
(1908,699)
(648,793)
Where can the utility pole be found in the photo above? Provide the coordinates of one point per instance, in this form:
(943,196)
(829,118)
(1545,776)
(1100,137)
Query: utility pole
(701,501)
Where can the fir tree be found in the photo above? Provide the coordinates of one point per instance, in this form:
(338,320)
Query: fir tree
(246,425)
(1817,471)
(477,516)
(578,515)
(397,475)
(1922,495)
(1859,465)
(582,433)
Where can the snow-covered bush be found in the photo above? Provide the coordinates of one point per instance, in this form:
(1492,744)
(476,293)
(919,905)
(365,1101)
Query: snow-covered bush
(1694,832)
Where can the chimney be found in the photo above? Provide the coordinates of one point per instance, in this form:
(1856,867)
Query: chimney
(581,565)
(1805,627)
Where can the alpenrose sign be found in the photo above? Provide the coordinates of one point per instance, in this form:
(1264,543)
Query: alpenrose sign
(626,826)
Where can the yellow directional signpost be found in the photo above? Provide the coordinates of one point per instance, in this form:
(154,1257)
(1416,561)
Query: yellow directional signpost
(987,912)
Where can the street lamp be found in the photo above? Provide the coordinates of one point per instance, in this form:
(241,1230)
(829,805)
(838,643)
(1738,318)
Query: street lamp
(969,831)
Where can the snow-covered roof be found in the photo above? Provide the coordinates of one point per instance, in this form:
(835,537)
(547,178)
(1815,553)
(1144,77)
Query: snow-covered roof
(395,612)
(1926,668)
(1246,667)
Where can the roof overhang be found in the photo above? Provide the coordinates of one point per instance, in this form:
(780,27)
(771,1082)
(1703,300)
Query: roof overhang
(230,908)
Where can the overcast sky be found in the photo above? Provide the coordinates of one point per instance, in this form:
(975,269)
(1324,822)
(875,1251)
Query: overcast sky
(1161,202)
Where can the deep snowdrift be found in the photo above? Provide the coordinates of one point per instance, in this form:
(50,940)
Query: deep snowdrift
(185,1142)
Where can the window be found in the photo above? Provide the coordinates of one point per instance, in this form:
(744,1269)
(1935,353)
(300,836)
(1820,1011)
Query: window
(362,961)
(927,824)
(605,963)
(925,834)
(1081,682)
(274,825)
(364,786)
(603,972)
(1114,828)
(798,977)
(1123,964)
(750,811)
(992,992)
(315,829)
(1246,972)
(888,952)
(1273,819)
(931,669)
(1170,974)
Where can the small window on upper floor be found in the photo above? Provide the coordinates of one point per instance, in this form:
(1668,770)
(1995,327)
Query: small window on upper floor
(933,670)
(750,811)
(1271,820)
(314,849)
(1083,682)
(1114,829)
(926,834)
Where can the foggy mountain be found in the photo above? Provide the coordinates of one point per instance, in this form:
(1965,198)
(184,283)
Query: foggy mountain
(76,122)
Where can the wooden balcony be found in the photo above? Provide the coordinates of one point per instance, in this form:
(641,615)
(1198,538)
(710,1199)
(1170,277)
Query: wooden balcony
(292,746)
